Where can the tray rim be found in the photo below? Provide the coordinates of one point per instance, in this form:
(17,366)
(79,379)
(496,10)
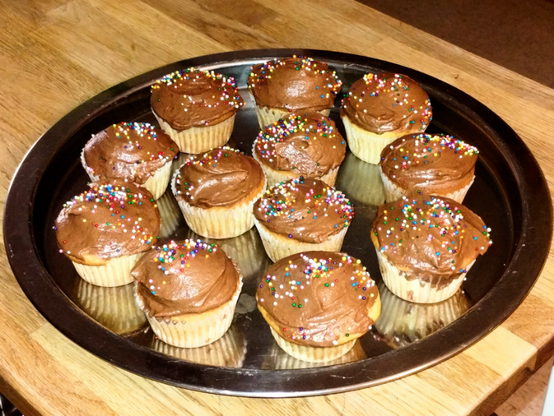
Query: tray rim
(531,251)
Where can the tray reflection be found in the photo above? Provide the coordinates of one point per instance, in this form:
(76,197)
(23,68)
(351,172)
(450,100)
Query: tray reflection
(402,323)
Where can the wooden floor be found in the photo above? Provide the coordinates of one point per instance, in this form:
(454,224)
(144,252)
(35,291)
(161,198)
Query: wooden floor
(529,398)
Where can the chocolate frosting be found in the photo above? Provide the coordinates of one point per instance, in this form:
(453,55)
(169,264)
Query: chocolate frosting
(131,151)
(388,102)
(429,238)
(185,277)
(308,144)
(112,219)
(429,163)
(221,177)
(317,297)
(194,98)
(307,210)
(296,83)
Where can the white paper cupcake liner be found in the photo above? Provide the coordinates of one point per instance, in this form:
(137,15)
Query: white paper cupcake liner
(312,354)
(278,246)
(361,181)
(156,184)
(113,307)
(415,290)
(218,222)
(277,176)
(394,192)
(194,330)
(196,140)
(366,145)
(116,272)
(267,116)
(227,351)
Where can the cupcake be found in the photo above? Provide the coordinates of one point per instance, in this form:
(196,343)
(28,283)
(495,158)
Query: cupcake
(137,152)
(402,322)
(302,215)
(425,245)
(306,144)
(436,164)
(106,230)
(216,192)
(196,108)
(113,307)
(318,304)
(188,291)
(379,109)
(295,84)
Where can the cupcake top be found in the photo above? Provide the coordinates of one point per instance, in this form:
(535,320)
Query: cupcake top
(185,277)
(194,98)
(307,210)
(426,236)
(308,144)
(131,151)
(294,83)
(221,177)
(388,102)
(111,219)
(429,162)
(316,298)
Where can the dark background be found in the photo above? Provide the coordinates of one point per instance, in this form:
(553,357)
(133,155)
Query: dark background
(517,34)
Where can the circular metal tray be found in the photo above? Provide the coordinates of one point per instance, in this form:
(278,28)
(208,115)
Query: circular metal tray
(509,193)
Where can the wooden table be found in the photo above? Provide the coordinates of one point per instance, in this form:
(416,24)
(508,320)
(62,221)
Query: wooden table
(55,54)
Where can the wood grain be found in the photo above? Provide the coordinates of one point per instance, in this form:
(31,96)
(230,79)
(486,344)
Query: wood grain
(55,54)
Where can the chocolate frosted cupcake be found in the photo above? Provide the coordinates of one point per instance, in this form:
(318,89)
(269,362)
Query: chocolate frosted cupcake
(301,215)
(306,144)
(137,152)
(436,164)
(379,109)
(425,245)
(196,108)
(294,84)
(318,304)
(106,230)
(188,291)
(216,192)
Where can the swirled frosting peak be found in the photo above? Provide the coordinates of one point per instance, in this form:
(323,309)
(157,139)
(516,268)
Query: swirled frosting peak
(111,219)
(296,83)
(307,210)
(131,151)
(185,277)
(195,98)
(426,236)
(388,102)
(318,298)
(308,144)
(219,178)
